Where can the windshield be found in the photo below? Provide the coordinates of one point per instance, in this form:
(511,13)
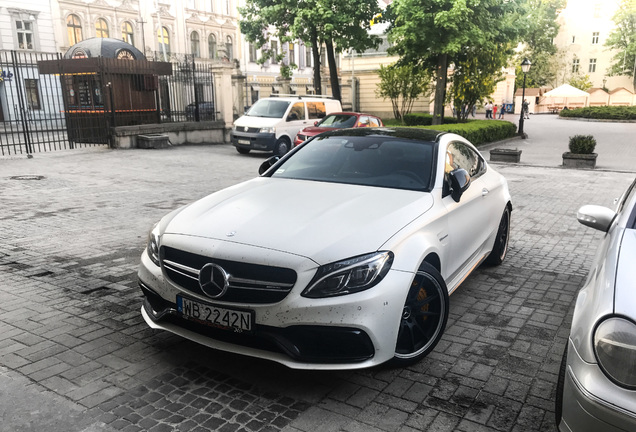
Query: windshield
(268,108)
(338,121)
(374,160)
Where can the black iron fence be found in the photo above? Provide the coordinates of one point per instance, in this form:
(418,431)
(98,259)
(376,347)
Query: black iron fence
(45,112)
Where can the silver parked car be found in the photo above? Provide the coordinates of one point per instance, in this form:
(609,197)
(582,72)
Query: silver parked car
(596,390)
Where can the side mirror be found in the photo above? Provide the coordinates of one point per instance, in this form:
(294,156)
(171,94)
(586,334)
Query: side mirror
(596,217)
(267,164)
(459,180)
(316,123)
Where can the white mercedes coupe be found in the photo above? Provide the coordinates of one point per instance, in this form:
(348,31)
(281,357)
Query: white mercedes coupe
(341,255)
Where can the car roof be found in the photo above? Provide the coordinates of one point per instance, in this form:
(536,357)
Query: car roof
(398,132)
(352,113)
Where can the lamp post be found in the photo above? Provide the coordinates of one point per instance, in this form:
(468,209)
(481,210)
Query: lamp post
(525,67)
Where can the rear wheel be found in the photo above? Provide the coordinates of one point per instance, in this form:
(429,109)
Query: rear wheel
(282,147)
(423,318)
(500,248)
(242,150)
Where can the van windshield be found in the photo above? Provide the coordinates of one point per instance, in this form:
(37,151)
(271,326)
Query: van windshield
(268,108)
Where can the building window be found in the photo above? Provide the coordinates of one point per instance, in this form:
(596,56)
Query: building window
(32,93)
(592,67)
(163,39)
(597,11)
(212,46)
(195,46)
(101,28)
(127,34)
(575,65)
(252,53)
(230,48)
(274,52)
(595,38)
(74,29)
(26,39)
(228,7)
(308,56)
(291,53)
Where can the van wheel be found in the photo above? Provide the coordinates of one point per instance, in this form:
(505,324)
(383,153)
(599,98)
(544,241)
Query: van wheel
(424,317)
(282,147)
(242,150)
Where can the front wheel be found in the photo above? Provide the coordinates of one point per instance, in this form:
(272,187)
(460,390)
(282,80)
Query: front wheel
(423,318)
(500,248)
(282,147)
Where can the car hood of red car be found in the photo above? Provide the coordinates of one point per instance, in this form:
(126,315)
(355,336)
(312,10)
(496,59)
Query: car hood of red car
(315,130)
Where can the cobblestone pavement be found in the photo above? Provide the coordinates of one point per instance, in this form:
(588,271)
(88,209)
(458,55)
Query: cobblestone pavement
(75,354)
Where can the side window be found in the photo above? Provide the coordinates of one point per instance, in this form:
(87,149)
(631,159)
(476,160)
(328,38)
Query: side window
(297,112)
(373,122)
(363,121)
(316,110)
(459,155)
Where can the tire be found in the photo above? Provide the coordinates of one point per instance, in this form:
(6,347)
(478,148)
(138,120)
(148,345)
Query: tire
(558,400)
(424,317)
(500,248)
(242,150)
(281,147)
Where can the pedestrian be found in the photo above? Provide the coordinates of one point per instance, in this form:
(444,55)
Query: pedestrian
(488,107)
(474,111)
(494,111)
(524,108)
(502,110)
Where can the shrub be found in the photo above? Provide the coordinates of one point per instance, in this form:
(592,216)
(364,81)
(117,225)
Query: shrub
(480,131)
(602,112)
(582,144)
(422,119)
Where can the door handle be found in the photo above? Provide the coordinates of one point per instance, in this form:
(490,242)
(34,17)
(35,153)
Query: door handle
(484,192)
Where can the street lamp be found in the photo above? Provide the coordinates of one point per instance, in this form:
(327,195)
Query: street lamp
(525,67)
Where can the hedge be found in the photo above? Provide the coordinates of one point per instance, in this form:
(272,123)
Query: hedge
(422,119)
(602,112)
(480,131)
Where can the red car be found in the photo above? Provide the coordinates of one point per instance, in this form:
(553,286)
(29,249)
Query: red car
(339,120)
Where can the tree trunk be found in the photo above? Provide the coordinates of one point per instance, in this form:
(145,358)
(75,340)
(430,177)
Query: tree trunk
(440,88)
(315,53)
(333,70)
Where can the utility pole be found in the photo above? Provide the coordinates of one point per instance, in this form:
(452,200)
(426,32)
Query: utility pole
(143,33)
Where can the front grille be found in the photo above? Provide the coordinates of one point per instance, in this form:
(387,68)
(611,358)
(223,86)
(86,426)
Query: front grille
(248,130)
(248,283)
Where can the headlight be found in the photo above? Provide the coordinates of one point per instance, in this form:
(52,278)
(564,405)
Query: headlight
(153,245)
(268,130)
(615,349)
(350,275)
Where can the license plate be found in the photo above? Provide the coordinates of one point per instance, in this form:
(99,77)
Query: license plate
(224,318)
(244,142)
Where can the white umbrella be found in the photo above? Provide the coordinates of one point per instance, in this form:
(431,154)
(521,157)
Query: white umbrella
(564,92)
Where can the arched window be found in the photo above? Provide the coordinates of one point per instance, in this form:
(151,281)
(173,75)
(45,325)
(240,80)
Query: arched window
(127,34)
(163,40)
(212,46)
(101,28)
(230,48)
(195,46)
(74,29)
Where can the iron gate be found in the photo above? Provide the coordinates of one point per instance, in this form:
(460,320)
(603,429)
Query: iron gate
(32,117)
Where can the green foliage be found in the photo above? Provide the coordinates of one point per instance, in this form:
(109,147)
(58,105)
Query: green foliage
(403,85)
(480,131)
(581,82)
(582,144)
(622,40)
(422,119)
(602,112)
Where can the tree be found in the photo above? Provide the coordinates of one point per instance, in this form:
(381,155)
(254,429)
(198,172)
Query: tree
(475,76)
(338,24)
(623,40)
(581,82)
(432,34)
(403,84)
(538,45)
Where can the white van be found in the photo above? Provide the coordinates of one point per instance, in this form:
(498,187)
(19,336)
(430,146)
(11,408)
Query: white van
(271,124)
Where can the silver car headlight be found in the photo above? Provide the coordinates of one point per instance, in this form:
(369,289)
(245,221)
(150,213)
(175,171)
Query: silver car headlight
(153,245)
(615,349)
(268,130)
(349,276)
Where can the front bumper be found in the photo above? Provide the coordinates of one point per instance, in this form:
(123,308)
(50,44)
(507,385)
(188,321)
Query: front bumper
(591,402)
(253,141)
(347,332)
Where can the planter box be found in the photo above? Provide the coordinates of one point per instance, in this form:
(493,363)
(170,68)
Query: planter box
(574,160)
(152,141)
(505,155)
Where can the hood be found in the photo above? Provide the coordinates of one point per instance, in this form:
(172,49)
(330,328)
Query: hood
(321,221)
(315,130)
(256,122)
